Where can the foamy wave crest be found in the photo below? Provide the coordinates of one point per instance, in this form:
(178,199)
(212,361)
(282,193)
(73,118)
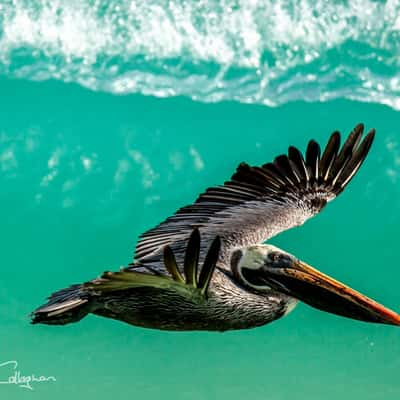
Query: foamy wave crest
(254,51)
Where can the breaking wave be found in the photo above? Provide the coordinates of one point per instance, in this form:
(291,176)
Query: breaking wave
(253,51)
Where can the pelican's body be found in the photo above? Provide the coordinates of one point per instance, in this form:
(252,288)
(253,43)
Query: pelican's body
(227,307)
(242,284)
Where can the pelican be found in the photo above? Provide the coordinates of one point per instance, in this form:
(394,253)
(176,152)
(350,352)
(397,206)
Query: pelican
(206,267)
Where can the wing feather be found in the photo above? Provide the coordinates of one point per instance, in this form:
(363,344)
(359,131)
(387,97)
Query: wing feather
(329,156)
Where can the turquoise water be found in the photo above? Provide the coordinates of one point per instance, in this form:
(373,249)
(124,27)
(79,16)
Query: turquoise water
(85,170)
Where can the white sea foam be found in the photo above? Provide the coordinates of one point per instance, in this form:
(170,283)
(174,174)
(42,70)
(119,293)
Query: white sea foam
(148,174)
(197,160)
(255,51)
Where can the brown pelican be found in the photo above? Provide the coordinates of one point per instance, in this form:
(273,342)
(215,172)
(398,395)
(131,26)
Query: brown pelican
(241,283)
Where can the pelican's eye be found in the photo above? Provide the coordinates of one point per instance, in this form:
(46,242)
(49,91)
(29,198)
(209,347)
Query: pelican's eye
(275,256)
(277,259)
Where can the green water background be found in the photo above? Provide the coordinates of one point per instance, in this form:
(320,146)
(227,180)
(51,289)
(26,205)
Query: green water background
(84,173)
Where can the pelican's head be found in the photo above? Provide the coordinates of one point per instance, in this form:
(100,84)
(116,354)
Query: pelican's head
(265,267)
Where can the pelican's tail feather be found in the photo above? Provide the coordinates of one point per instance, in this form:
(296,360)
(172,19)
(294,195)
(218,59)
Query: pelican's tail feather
(65,306)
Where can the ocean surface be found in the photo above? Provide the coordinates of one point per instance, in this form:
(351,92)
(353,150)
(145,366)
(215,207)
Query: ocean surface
(113,114)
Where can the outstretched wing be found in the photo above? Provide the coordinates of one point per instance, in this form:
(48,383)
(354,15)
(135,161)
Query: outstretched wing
(259,202)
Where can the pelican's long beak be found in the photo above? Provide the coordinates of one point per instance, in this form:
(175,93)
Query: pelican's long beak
(327,294)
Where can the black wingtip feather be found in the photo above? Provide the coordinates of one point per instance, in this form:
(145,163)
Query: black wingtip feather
(357,158)
(350,144)
(171,265)
(312,159)
(192,258)
(282,162)
(297,159)
(329,155)
(209,265)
